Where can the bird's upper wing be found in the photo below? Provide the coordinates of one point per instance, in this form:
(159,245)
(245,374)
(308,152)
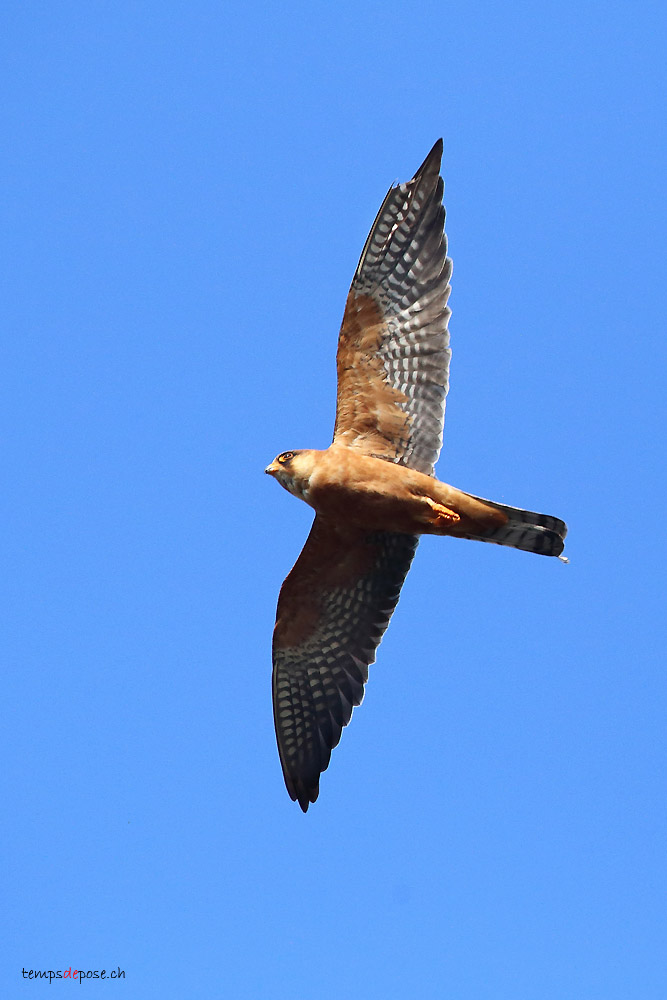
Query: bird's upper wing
(393,349)
(332,612)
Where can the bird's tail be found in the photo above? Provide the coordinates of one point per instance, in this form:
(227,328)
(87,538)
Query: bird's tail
(524,529)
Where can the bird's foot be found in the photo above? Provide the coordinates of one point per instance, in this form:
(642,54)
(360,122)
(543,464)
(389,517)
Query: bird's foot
(444,517)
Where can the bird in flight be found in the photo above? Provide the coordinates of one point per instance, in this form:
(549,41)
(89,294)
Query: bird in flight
(373,489)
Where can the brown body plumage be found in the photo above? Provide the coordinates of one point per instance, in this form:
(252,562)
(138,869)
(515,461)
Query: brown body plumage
(366,492)
(373,490)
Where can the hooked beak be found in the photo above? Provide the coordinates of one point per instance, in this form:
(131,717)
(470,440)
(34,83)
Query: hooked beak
(270,470)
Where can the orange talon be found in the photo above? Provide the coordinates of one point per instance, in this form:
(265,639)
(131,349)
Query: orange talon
(442,513)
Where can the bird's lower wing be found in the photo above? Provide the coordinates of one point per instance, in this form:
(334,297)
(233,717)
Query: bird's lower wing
(333,610)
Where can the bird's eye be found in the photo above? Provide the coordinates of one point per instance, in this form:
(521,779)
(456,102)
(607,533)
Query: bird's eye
(285,457)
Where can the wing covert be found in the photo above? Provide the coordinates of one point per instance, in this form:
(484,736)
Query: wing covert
(333,610)
(393,348)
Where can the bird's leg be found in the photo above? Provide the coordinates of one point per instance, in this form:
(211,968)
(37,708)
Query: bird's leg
(442,517)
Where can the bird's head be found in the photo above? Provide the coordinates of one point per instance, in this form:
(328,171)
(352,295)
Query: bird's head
(292,470)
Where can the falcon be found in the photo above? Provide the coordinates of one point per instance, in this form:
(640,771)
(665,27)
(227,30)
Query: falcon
(373,489)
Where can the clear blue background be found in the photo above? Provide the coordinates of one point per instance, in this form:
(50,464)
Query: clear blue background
(186,188)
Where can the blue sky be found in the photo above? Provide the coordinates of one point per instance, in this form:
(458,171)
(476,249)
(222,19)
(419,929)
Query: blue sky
(186,191)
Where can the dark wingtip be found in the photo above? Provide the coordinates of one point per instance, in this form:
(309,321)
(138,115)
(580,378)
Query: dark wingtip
(301,793)
(432,161)
(308,795)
